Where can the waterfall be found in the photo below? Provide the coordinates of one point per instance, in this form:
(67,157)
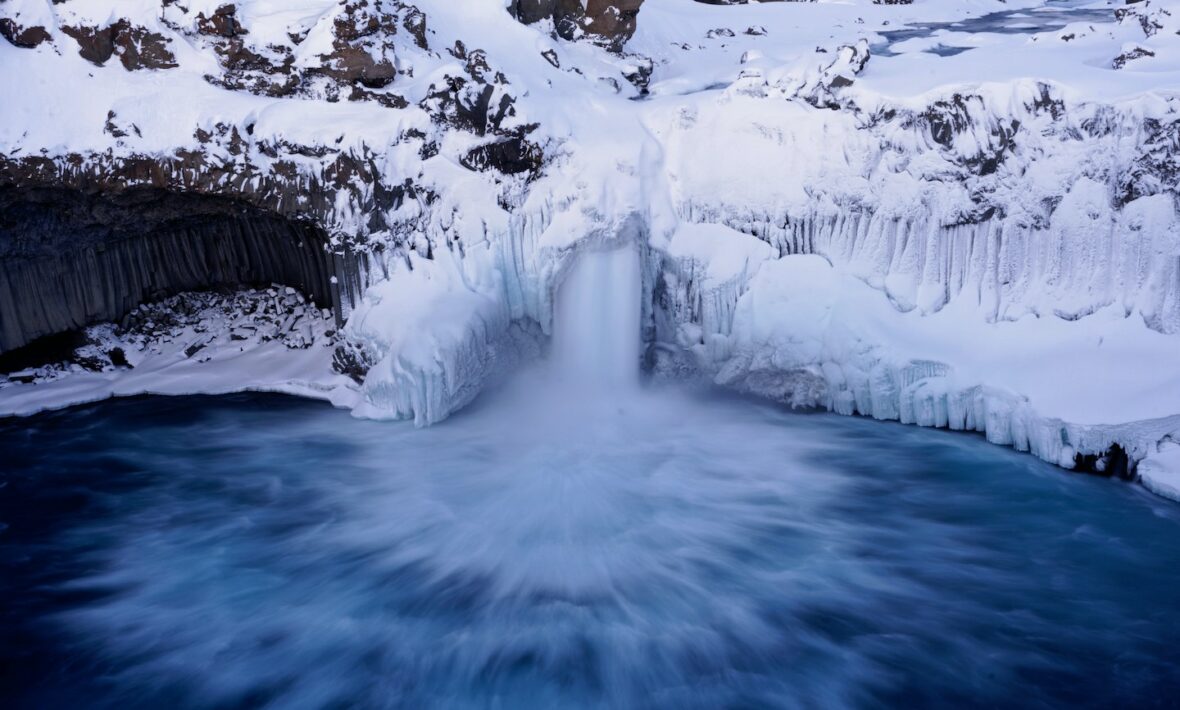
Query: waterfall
(596,332)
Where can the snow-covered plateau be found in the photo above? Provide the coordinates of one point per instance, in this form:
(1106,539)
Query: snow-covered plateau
(952,213)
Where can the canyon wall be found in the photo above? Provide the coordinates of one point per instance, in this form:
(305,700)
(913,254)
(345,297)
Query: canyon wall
(70,258)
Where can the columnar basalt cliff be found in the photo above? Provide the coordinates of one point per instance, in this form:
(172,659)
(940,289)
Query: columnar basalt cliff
(70,258)
(431,171)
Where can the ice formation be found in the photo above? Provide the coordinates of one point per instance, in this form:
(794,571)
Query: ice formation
(957,214)
(596,328)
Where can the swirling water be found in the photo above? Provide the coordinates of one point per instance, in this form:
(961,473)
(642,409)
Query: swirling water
(671,549)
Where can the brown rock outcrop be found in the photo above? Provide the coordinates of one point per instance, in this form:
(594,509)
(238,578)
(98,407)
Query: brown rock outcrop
(20,36)
(607,22)
(136,47)
(223,23)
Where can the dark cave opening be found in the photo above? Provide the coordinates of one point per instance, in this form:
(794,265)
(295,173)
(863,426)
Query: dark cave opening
(58,347)
(69,258)
(1114,462)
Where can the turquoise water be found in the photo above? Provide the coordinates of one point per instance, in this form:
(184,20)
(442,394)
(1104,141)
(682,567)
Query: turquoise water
(671,549)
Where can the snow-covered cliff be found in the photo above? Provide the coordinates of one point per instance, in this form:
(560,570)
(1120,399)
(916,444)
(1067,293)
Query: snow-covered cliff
(959,214)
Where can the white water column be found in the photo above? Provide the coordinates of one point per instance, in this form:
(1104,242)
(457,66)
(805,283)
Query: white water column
(596,333)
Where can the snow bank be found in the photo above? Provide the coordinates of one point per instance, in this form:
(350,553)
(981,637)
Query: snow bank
(1160,471)
(268,341)
(810,335)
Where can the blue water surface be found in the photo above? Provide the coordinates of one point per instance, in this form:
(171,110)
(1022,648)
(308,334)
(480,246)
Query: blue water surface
(671,549)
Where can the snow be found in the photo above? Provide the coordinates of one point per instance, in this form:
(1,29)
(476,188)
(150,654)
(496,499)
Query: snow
(690,60)
(268,341)
(267,368)
(1160,471)
(1049,386)
(818,239)
(432,357)
(723,254)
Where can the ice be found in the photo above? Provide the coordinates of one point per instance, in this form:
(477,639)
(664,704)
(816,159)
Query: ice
(710,267)
(1160,471)
(809,335)
(433,340)
(596,334)
(985,241)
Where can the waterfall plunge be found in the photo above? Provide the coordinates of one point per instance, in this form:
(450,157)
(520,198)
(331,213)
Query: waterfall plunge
(596,333)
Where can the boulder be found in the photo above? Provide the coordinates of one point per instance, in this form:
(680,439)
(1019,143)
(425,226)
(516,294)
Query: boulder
(607,22)
(20,36)
(136,47)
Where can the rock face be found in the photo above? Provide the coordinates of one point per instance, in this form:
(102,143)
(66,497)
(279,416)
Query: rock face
(20,36)
(69,258)
(136,47)
(367,53)
(608,22)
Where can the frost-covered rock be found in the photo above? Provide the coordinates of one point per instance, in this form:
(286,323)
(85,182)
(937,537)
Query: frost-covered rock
(608,22)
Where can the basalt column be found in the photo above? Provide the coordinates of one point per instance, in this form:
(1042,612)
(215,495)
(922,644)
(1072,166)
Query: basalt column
(69,258)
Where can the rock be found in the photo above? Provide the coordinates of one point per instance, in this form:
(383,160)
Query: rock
(349,359)
(364,49)
(1113,462)
(196,346)
(611,21)
(511,156)
(118,357)
(247,70)
(1151,17)
(136,47)
(367,37)
(1130,54)
(23,37)
(94,45)
(530,11)
(69,258)
(638,73)
(223,23)
(23,376)
(607,22)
